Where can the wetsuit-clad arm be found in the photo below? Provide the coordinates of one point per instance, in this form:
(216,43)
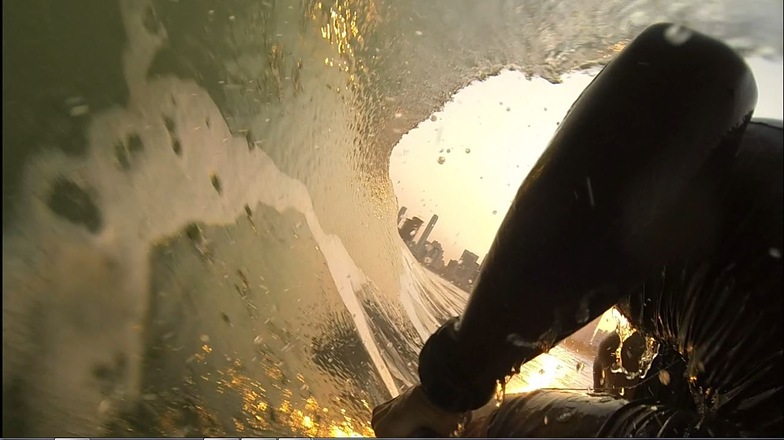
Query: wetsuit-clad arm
(587,226)
(716,314)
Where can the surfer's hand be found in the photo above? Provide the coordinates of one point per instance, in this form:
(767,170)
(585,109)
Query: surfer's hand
(412,413)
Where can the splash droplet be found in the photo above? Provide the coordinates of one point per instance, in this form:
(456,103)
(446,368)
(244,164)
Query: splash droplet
(774,252)
(677,35)
(441,160)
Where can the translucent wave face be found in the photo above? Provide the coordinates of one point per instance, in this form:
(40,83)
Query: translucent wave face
(199,224)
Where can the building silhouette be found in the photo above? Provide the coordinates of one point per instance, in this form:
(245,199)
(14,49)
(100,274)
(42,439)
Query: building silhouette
(433,256)
(469,259)
(419,250)
(462,273)
(409,229)
(401,214)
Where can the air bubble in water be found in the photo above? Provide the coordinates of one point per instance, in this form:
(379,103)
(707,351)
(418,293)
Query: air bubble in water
(677,35)
(441,160)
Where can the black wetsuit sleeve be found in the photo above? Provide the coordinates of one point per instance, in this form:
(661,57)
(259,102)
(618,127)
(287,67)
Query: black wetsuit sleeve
(586,225)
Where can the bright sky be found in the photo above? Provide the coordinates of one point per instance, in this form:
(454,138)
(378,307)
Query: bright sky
(490,136)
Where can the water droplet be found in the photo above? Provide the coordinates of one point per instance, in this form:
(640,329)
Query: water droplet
(467,150)
(509,109)
(583,312)
(398,115)
(441,160)
(774,252)
(500,393)
(419,33)
(433,118)
(204,338)
(518,341)
(677,35)
(448,150)
(564,416)
(495,212)
(79,110)
(258,340)
(590,191)
(579,367)
(664,377)
(546,420)
(216,183)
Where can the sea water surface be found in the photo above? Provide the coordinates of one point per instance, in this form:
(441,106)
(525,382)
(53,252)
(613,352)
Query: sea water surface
(198,221)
